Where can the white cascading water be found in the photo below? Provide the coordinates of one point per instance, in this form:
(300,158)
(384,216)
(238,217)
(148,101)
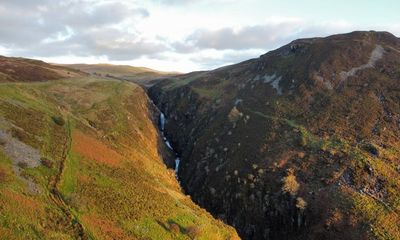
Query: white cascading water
(162,122)
(162,125)
(177,160)
(168,145)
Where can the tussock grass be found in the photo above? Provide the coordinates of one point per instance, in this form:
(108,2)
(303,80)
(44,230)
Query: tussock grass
(102,161)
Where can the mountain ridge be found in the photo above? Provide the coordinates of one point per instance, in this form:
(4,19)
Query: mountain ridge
(303,139)
(141,75)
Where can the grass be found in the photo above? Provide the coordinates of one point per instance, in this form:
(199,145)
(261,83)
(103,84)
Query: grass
(384,223)
(178,82)
(69,178)
(207,93)
(108,172)
(23,215)
(381,214)
(28,70)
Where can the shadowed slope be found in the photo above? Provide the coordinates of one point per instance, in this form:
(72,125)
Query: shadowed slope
(301,143)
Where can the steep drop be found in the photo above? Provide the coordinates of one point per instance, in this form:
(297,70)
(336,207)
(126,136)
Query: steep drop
(167,143)
(285,147)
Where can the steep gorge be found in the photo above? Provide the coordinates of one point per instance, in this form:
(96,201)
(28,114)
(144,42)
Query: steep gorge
(301,143)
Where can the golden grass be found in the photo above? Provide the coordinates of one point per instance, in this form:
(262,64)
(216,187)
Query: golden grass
(112,178)
(92,149)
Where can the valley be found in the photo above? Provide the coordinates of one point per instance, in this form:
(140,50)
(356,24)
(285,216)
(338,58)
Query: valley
(300,143)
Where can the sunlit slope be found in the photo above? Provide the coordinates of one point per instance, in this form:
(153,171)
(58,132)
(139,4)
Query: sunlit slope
(140,75)
(30,70)
(79,160)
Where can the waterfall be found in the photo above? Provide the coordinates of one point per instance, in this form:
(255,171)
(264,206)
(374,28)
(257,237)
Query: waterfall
(167,143)
(177,160)
(162,121)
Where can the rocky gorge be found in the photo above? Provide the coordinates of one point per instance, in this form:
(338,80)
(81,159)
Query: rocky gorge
(274,146)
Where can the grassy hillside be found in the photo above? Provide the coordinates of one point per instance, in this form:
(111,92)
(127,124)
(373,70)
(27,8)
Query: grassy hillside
(79,160)
(140,75)
(29,70)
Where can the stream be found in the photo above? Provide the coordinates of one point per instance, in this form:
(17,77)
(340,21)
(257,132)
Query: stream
(167,143)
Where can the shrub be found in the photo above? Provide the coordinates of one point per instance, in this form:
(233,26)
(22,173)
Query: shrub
(58,120)
(91,123)
(303,140)
(234,115)
(335,219)
(250,177)
(22,164)
(301,203)
(174,228)
(290,184)
(46,162)
(372,149)
(3,175)
(18,134)
(2,142)
(193,232)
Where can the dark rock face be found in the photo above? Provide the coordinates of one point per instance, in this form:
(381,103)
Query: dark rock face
(274,145)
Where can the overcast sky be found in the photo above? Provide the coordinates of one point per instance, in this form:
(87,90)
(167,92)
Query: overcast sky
(177,35)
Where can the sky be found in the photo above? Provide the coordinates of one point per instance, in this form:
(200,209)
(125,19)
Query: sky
(178,35)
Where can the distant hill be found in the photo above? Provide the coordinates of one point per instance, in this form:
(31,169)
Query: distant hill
(29,70)
(300,143)
(140,75)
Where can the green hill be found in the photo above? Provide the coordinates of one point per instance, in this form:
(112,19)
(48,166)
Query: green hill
(80,159)
(141,75)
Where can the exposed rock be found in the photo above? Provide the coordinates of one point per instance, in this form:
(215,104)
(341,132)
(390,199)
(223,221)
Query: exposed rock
(20,152)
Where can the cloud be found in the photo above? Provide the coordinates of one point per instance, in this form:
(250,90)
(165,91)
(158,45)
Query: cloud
(186,2)
(54,28)
(109,42)
(394,28)
(265,36)
(261,36)
(195,34)
(226,57)
(175,2)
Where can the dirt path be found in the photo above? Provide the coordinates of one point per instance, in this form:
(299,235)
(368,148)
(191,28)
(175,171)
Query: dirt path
(376,55)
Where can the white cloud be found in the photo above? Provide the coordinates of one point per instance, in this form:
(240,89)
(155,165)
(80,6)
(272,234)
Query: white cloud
(166,34)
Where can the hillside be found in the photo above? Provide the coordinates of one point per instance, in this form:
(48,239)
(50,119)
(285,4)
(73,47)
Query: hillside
(29,70)
(300,143)
(80,159)
(140,75)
